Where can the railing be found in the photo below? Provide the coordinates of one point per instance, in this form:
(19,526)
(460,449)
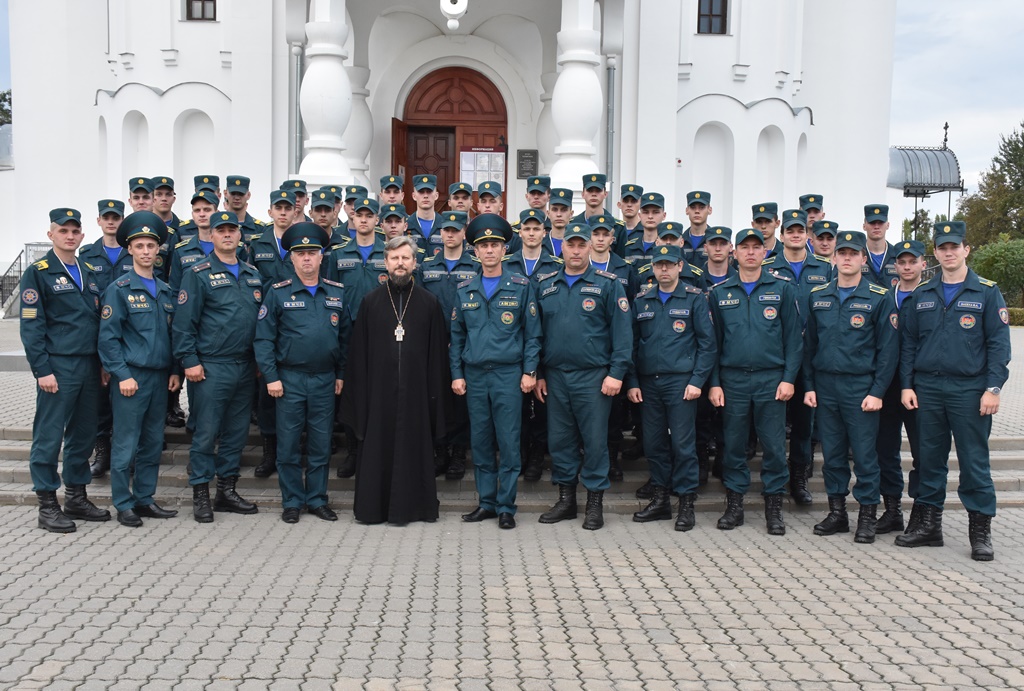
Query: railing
(10,282)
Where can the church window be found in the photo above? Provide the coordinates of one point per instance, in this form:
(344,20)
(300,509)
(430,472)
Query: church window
(201,9)
(712,16)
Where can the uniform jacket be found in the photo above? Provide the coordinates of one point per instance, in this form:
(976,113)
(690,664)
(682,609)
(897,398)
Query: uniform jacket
(135,327)
(344,264)
(435,277)
(104,271)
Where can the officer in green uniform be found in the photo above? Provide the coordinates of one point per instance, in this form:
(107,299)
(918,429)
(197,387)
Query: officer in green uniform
(163,201)
(718,246)
(358,264)
(108,261)
(440,274)
(850,355)
(674,349)
(391,190)
(640,249)
(494,354)
(322,209)
(559,217)
(765,218)
(594,196)
(805,272)
(824,240)
(236,200)
(881,265)
(140,194)
(188,252)
(629,205)
(670,233)
(814,206)
(60,305)
(135,348)
(698,210)
(393,221)
(298,188)
(587,347)
(214,326)
(760,350)
(460,197)
(205,181)
(954,353)
(301,341)
(423,221)
(349,195)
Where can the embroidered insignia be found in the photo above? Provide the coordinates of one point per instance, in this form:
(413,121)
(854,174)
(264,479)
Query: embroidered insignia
(382,279)
(30,297)
(968,321)
(770,313)
(507,318)
(453,314)
(257,295)
(106,312)
(589,304)
(894,320)
(182,297)
(262,312)
(334,319)
(624,304)
(679,326)
(533,310)
(857,321)
(1004,315)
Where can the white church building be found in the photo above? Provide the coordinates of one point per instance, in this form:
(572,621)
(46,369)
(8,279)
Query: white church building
(751,100)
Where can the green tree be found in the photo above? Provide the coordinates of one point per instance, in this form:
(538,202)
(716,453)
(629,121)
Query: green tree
(1003,262)
(919,227)
(997,208)
(5,107)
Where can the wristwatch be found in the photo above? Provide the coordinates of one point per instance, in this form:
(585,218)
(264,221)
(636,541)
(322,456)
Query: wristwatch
(994,390)
(531,374)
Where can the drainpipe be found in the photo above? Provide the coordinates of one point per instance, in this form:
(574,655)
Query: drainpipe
(296,85)
(610,143)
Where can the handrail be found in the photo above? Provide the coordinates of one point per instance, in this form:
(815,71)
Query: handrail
(10,282)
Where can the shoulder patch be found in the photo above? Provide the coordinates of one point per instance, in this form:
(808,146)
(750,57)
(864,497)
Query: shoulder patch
(465,283)
(877,289)
(516,278)
(182,243)
(644,269)
(325,280)
(184,222)
(474,258)
(89,266)
(255,237)
(822,259)
(431,258)
(922,284)
(606,274)
(986,282)
(821,287)
(282,284)
(768,261)
(200,266)
(558,260)
(42,264)
(258,222)
(696,270)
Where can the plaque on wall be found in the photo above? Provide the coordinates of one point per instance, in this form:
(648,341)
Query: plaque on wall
(527,163)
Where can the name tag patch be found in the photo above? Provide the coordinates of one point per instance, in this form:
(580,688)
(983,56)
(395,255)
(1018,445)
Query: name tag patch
(260,256)
(822,304)
(860,306)
(294,305)
(679,313)
(346,263)
(219,282)
(769,298)
(645,315)
(592,290)
(728,303)
(925,305)
(964,304)
(508,303)
(548,291)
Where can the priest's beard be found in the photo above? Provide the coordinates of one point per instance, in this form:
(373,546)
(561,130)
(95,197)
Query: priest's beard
(401,282)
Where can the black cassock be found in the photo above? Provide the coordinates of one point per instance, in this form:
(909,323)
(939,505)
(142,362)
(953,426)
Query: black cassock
(393,399)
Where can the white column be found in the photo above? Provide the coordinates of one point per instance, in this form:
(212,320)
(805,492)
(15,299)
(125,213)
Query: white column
(547,137)
(359,135)
(325,98)
(577,101)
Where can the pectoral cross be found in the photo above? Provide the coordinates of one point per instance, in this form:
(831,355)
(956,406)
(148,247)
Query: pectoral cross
(399,333)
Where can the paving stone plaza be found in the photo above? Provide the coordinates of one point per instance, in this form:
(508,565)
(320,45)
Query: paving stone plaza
(249,602)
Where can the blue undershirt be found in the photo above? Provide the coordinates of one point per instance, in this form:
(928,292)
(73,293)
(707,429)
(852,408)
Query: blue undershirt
(426,227)
(364,251)
(232,269)
(663,296)
(600,265)
(450,263)
(150,284)
(572,279)
(556,243)
(749,287)
(844,293)
(76,274)
(949,291)
(901,296)
(530,264)
(798,268)
(280,250)
(647,246)
(207,247)
(312,289)
(876,260)
(695,241)
(112,253)
(490,285)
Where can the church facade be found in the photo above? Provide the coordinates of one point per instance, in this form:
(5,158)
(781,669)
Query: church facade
(751,100)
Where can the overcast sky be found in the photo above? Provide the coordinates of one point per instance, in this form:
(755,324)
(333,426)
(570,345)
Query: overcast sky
(956,61)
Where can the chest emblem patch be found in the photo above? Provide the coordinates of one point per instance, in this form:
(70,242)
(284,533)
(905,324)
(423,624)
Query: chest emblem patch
(589,304)
(857,321)
(507,317)
(334,319)
(679,326)
(770,313)
(968,321)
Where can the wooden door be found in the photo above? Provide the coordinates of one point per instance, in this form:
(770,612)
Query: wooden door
(399,152)
(431,151)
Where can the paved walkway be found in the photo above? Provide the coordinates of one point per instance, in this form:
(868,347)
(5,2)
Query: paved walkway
(249,602)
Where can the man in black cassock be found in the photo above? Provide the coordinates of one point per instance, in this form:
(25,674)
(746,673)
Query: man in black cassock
(397,374)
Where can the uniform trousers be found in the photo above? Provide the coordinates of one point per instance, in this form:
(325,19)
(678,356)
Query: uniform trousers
(306,406)
(221,407)
(69,416)
(845,426)
(493,397)
(138,433)
(578,414)
(750,400)
(670,435)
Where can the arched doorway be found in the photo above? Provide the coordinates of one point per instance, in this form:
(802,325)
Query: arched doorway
(450,112)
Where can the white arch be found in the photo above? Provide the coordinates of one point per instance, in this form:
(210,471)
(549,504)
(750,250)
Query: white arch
(194,146)
(771,166)
(713,164)
(134,145)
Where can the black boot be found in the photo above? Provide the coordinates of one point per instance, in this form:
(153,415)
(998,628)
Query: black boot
(660,508)
(227,499)
(440,460)
(51,518)
(347,468)
(456,464)
(77,505)
(915,518)
(564,508)
(733,515)
(634,450)
(594,518)
(980,533)
(268,464)
(837,520)
(101,460)
(892,518)
(201,510)
(614,469)
(703,464)
(534,462)
(928,532)
(798,485)
(773,514)
(866,524)
(645,491)
(685,520)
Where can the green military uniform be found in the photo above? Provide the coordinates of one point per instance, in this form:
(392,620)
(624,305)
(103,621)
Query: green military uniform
(881,268)
(955,346)
(600,180)
(691,274)
(495,339)
(301,341)
(587,337)
(359,276)
(637,252)
(214,326)
(59,325)
(674,347)
(694,251)
(135,343)
(850,352)
(760,346)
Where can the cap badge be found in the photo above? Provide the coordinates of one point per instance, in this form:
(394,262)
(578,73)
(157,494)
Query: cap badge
(204,180)
(593,178)
(906,245)
(630,188)
(760,208)
(297,184)
(461,186)
(651,197)
(664,250)
(110,204)
(305,241)
(366,202)
(795,214)
(425,179)
(878,211)
(238,182)
(223,217)
(141,180)
(697,196)
(323,196)
(391,208)
(810,199)
(487,231)
(718,231)
(561,194)
(487,185)
(600,219)
(163,179)
(391,179)
(452,217)
(946,229)
(536,182)
(849,236)
(533,213)
(669,226)
(284,194)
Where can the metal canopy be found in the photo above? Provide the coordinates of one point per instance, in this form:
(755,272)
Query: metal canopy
(922,171)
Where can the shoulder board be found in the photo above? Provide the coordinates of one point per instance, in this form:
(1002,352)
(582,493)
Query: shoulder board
(465,283)
(201,266)
(922,284)
(249,266)
(180,244)
(506,257)
(432,257)
(646,289)
(282,284)
(769,260)
(696,270)
(558,260)
(544,277)
(515,225)
(184,223)
(779,276)
(474,258)
(418,251)
(877,289)
(123,281)
(606,274)
(327,281)
(42,264)
(632,242)
(694,289)
(255,237)
(821,258)
(90,266)
(821,287)
(521,280)
(335,246)
(986,282)
(258,222)
(644,269)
